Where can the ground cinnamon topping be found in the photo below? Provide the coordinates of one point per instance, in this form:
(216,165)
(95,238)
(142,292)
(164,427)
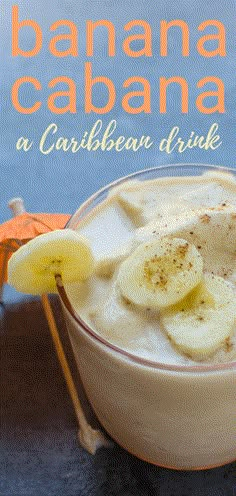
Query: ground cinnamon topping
(205,219)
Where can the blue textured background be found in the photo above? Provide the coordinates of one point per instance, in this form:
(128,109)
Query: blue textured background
(60,181)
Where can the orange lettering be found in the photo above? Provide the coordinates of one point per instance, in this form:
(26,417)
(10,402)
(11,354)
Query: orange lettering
(72,36)
(184,93)
(221,49)
(90,35)
(16,26)
(15,95)
(71,93)
(220,106)
(146,93)
(89,83)
(164,27)
(146,36)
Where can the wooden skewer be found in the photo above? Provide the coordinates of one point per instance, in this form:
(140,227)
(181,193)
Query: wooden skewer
(62,359)
(91,439)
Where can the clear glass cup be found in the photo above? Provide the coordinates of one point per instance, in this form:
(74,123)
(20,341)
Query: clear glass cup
(180,417)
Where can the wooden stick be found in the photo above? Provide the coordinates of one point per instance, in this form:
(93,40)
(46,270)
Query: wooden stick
(62,359)
(91,439)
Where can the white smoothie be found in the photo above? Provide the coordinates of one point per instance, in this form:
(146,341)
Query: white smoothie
(175,417)
(202,210)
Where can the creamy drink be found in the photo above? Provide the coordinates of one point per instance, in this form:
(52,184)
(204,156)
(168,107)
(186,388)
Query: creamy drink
(156,349)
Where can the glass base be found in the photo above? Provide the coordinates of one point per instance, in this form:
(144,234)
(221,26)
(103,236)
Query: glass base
(170,467)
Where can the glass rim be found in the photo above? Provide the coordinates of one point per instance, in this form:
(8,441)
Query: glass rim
(215,367)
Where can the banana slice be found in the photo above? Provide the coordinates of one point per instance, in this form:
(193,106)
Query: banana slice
(204,320)
(211,230)
(160,273)
(33,267)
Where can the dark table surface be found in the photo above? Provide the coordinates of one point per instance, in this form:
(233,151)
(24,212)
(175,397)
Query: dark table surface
(41,455)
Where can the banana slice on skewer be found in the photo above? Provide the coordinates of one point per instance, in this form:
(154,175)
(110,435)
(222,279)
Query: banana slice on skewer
(204,320)
(33,267)
(160,273)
